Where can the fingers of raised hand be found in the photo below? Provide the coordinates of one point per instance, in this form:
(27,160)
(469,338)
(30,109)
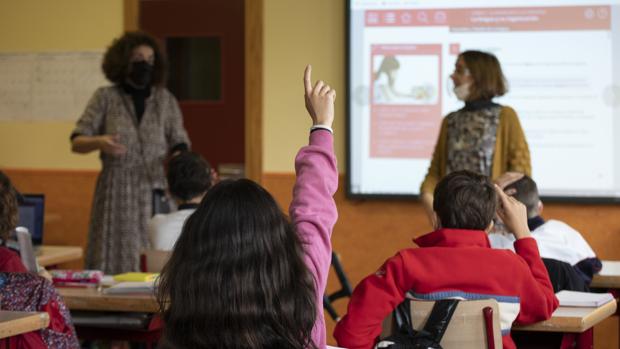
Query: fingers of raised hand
(332,94)
(500,193)
(317,88)
(325,89)
(308,79)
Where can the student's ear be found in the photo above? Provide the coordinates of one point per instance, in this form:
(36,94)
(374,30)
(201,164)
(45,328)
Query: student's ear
(489,229)
(540,207)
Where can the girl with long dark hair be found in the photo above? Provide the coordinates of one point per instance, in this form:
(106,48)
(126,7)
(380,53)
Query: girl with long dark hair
(241,275)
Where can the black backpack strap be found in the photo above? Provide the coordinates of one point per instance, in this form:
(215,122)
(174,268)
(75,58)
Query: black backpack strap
(405,337)
(439,319)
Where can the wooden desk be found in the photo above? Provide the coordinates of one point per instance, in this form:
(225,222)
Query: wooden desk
(52,255)
(608,277)
(572,319)
(13,323)
(575,323)
(94,299)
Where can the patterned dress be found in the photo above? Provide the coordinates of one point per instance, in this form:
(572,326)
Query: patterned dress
(123,196)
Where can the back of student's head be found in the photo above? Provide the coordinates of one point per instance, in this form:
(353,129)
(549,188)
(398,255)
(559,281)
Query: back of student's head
(236,277)
(526,193)
(189,176)
(465,200)
(8,207)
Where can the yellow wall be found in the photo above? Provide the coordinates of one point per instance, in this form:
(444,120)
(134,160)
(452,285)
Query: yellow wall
(298,33)
(58,25)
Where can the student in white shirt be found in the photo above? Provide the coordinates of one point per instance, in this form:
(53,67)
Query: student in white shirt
(189,177)
(556,240)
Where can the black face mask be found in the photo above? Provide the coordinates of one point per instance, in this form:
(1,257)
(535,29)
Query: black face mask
(140,73)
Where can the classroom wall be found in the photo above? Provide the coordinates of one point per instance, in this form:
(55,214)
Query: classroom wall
(295,33)
(48,26)
(368,231)
(36,155)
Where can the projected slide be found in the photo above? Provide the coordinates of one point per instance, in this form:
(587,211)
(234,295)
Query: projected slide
(562,62)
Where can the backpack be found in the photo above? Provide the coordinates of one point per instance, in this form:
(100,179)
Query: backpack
(405,337)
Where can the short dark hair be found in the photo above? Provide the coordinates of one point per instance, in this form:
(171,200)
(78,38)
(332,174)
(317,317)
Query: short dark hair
(189,175)
(8,207)
(526,193)
(116,63)
(485,70)
(465,200)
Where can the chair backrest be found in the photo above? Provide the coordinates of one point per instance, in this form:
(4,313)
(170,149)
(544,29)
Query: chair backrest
(467,328)
(154,260)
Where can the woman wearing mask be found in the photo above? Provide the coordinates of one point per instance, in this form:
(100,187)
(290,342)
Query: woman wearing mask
(134,124)
(483,136)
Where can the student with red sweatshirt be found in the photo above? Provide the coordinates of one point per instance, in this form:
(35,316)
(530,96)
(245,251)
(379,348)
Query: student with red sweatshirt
(456,261)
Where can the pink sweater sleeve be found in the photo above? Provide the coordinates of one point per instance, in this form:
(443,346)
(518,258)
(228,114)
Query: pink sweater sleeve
(313,210)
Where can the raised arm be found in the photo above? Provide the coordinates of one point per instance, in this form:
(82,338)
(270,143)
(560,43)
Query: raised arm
(538,300)
(313,209)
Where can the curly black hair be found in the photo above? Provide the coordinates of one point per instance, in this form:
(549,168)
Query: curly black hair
(8,207)
(115,64)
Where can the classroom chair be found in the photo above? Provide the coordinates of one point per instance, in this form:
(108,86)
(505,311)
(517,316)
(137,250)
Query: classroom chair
(474,325)
(344,291)
(153,261)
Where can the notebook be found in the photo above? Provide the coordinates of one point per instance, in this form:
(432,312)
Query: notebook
(135,276)
(583,299)
(131,287)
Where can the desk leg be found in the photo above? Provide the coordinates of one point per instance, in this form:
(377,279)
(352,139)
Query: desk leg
(584,340)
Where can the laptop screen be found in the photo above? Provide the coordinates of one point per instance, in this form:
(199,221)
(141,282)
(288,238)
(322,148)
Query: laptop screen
(31,210)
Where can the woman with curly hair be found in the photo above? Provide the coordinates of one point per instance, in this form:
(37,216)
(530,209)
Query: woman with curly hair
(134,124)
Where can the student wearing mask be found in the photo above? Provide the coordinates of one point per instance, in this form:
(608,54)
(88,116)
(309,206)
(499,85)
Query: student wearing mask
(134,124)
(483,136)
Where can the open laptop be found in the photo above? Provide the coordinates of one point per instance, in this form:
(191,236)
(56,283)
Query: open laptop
(31,212)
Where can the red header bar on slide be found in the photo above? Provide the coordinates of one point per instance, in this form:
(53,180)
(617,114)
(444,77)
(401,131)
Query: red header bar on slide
(497,19)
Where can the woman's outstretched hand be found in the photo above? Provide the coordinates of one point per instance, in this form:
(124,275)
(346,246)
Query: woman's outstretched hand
(319,100)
